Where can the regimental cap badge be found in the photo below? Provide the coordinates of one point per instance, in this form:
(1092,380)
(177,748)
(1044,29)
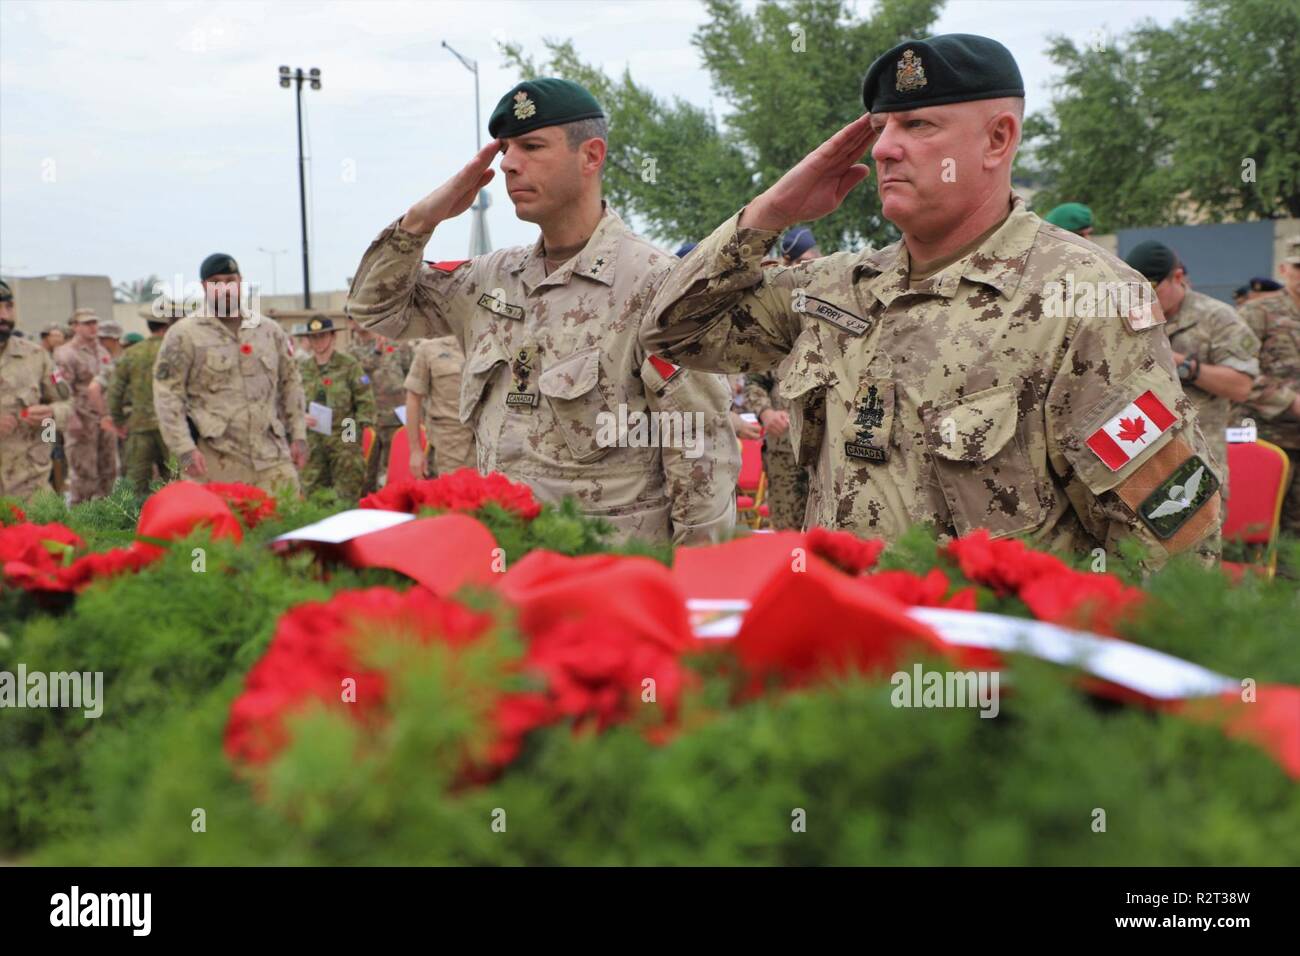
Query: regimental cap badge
(911,73)
(524,107)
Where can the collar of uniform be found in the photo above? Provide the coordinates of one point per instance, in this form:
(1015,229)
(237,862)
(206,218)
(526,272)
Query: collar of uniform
(999,262)
(595,261)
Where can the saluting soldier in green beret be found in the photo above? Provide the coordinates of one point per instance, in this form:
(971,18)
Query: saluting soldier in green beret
(335,379)
(987,371)
(558,390)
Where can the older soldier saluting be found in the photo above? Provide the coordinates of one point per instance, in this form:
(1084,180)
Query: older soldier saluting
(550,332)
(32,392)
(225,385)
(949,378)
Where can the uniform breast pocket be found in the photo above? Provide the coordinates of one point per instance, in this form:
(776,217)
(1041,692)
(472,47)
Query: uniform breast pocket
(572,389)
(803,379)
(217,369)
(488,359)
(983,464)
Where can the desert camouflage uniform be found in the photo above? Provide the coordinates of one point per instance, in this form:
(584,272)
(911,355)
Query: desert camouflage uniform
(242,393)
(546,356)
(28,377)
(435,376)
(130,403)
(336,459)
(1275,319)
(91,451)
(1212,331)
(956,401)
(386,365)
(787,480)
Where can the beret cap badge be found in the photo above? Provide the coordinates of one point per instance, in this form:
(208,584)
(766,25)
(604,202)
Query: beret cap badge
(524,107)
(911,73)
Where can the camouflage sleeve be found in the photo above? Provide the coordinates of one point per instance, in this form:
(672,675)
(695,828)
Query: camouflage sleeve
(719,310)
(417,379)
(55,392)
(171,370)
(363,397)
(758,392)
(118,388)
(395,294)
(1270,396)
(701,469)
(293,401)
(1106,369)
(1232,343)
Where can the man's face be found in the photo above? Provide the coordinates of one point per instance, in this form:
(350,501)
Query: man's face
(321,343)
(111,345)
(222,292)
(7,311)
(86,331)
(53,339)
(543,174)
(1171,290)
(1290,276)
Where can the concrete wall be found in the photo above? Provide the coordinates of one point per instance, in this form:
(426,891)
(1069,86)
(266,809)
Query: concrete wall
(40,300)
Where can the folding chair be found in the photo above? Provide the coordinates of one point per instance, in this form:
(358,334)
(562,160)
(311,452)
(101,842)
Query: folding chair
(399,456)
(1257,481)
(751,486)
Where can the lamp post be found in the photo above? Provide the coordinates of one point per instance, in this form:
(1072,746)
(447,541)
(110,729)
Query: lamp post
(275,285)
(287,78)
(479,242)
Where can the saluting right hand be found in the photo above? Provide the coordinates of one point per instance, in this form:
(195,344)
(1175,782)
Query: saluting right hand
(818,184)
(455,195)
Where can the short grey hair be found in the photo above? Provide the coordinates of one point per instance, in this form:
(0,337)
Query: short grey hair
(579,131)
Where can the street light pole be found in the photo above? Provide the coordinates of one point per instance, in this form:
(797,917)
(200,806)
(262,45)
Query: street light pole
(472,66)
(275,285)
(479,241)
(297,76)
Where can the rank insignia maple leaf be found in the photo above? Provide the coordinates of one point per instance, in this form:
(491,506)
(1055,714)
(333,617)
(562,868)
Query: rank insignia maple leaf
(1132,429)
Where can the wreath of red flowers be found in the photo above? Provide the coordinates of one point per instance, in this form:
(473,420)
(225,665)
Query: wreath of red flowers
(461,490)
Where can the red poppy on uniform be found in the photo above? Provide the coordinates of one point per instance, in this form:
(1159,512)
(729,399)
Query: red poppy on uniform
(246,349)
(329,382)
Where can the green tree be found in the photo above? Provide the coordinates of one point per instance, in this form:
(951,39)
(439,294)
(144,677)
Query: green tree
(139,290)
(791,73)
(1157,128)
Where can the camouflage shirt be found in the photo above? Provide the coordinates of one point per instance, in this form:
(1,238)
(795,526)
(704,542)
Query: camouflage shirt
(556,386)
(81,365)
(387,365)
(28,376)
(130,394)
(242,392)
(983,396)
(1275,319)
(342,384)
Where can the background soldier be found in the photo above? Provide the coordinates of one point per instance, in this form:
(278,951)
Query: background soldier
(787,480)
(337,380)
(228,374)
(549,332)
(386,364)
(1077,435)
(1073,217)
(91,451)
(131,413)
(1216,352)
(433,399)
(31,393)
(1274,400)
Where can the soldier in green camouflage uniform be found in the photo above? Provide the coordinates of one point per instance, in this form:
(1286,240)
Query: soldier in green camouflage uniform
(130,402)
(387,364)
(335,379)
(787,480)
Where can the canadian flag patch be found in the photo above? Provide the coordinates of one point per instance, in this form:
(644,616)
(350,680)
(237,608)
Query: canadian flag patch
(1132,431)
(665,368)
(57,376)
(447,265)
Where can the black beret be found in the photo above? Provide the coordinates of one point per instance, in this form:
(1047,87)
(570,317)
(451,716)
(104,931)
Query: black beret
(6,293)
(796,242)
(534,104)
(1153,259)
(218,264)
(953,68)
(1260,284)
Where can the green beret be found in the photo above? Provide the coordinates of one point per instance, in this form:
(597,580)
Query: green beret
(953,68)
(1070,216)
(131,338)
(1153,259)
(534,104)
(218,264)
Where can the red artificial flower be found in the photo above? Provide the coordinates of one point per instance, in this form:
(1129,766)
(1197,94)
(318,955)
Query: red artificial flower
(24,413)
(391,349)
(916,591)
(319,644)
(1005,564)
(461,490)
(1081,599)
(328,382)
(246,349)
(253,505)
(845,550)
(16,516)
(39,545)
(178,508)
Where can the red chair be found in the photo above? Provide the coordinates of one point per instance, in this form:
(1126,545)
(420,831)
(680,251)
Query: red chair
(751,486)
(399,456)
(367,442)
(1258,473)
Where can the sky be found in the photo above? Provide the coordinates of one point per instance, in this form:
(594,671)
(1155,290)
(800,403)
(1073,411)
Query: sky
(138,137)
